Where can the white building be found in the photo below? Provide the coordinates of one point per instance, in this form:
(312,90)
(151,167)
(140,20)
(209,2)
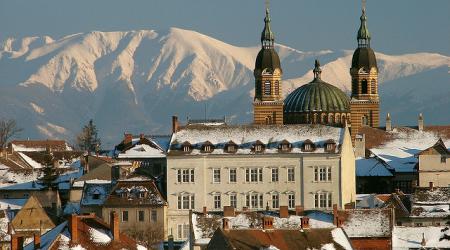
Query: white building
(255,167)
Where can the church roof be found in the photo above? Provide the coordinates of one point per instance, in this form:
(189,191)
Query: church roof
(317,96)
(267,59)
(364,58)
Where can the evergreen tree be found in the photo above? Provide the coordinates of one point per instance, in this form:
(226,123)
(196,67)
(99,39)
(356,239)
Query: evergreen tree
(88,139)
(49,172)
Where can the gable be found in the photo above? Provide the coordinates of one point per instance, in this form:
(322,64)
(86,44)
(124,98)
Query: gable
(32,217)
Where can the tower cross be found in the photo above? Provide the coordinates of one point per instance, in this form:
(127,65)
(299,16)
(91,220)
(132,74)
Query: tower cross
(364,5)
(267,4)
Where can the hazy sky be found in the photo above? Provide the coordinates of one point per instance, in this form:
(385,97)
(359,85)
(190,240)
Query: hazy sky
(397,26)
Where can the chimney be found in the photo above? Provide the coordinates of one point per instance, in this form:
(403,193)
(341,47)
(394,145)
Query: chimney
(16,242)
(267,222)
(360,145)
(128,138)
(175,124)
(420,122)
(304,222)
(225,224)
(335,214)
(74,228)
(244,209)
(114,226)
(299,210)
(141,136)
(37,241)
(228,211)
(423,242)
(388,122)
(284,212)
(205,210)
(350,205)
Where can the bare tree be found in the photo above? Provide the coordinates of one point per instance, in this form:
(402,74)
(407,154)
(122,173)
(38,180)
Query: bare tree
(149,236)
(8,129)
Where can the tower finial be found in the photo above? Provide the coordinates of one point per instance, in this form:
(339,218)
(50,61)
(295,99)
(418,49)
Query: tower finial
(317,71)
(267,37)
(363,32)
(364,5)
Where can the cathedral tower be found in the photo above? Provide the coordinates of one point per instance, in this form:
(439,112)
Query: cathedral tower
(364,103)
(268,101)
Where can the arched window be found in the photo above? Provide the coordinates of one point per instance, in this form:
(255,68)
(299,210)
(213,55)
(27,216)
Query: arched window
(373,86)
(364,87)
(324,118)
(354,86)
(343,119)
(315,118)
(269,119)
(331,118)
(277,87)
(338,118)
(267,88)
(364,120)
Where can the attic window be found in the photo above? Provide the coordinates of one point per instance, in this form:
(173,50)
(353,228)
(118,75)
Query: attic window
(141,194)
(329,147)
(258,147)
(285,146)
(186,148)
(230,147)
(96,196)
(308,146)
(207,147)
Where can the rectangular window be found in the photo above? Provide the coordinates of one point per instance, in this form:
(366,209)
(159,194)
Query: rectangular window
(185,175)
(274,174)
(267,88)
(141,215)
(186,201)
(323,200)
(254,201)
(254,174)
(291,200)
(290,174)
(182,231)
(275,201)
(217,201)
(233,200)
(124,215)
(277,88)
(322,173)
(154,215)
(443,159)
(233,175)
(216,175)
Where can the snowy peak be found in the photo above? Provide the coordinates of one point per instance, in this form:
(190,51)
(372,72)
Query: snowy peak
(133,80)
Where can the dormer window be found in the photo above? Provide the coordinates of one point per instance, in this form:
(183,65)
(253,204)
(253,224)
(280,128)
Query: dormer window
(207,147)
(186,147)
(285,146)
(96,196)
(230,147)
(141,194)
(308,146)
(258,147)
(330,146)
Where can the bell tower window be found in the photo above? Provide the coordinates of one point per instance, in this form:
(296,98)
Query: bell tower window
(364,87)
(365,120)
(267,88)
(277,87)
(373,86)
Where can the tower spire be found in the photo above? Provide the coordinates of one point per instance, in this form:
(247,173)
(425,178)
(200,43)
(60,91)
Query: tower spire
(317,71)
(363,32)
(267,37)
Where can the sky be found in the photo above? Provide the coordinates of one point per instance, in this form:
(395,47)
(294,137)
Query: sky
(397,26)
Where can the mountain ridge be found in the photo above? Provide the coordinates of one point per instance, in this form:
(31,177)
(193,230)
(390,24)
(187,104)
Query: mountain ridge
(135,80)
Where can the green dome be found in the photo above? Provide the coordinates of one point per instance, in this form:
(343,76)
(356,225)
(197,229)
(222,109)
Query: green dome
(317,96)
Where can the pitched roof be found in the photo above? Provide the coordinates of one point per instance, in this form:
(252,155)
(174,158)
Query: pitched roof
(438,148)
(95,194)
(278,239)
(39,145)
(411,237)
(246,135)
(128,192)
(363,223)
(371,167)
(32,217)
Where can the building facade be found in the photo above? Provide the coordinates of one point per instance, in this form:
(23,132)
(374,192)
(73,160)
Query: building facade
(257,168)
(434,166)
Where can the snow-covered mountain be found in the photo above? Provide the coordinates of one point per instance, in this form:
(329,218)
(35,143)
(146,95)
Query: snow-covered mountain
(134,81)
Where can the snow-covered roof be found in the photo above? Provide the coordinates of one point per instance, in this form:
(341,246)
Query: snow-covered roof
(411,238)
(246,136)
(367,222)
(431,202)
(369,201)
(371,167)
(253,220)
(95,194)
(142,151)
(404,143)
(14,204)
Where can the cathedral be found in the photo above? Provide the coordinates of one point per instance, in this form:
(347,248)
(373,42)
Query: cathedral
(317,102)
